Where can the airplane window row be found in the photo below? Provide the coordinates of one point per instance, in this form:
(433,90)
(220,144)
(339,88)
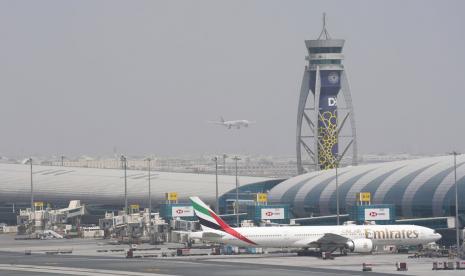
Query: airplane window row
(307,235)
(261,236)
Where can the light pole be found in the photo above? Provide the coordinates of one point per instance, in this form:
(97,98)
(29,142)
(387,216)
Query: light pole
(150,188)
(216,182)
(125,161)
(236,209)
(456,202)
(62,160)
(29,160)
(224,163)
(336,163)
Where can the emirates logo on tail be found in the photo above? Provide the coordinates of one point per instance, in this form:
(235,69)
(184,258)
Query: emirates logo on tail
(209,219)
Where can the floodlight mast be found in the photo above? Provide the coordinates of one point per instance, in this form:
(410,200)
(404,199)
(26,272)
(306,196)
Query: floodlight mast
(216,184)
(457,229)
(29,161)
(125,164)
(336,165)
(236,158)
(150,186)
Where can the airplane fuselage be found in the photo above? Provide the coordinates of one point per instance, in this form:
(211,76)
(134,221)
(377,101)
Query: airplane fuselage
(305,236)
(236,123)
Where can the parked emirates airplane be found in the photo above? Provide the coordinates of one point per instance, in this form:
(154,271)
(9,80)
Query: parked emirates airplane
(347,238)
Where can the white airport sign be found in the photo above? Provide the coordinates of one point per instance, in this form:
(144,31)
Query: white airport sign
(182,211)
(377,214)
(272,213)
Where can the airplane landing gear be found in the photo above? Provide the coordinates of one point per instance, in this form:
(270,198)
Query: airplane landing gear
(327,256)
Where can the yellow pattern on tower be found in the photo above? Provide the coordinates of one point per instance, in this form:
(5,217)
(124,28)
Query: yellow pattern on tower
(328,139)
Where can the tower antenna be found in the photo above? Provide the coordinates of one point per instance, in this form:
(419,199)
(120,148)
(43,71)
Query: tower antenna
(324,32)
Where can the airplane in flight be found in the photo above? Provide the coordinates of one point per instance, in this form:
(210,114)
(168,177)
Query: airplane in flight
(346,238)
(235,123)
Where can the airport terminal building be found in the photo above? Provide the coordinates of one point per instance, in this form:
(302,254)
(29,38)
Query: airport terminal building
(103,189)
(417,188)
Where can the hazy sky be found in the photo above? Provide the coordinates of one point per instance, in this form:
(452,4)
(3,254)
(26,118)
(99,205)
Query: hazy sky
(80,77)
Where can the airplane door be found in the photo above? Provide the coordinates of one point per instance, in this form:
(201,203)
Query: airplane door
(286,238)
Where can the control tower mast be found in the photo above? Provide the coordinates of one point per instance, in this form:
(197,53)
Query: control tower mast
(325,120)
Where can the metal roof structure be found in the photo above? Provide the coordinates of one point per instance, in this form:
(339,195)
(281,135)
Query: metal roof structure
(55,184)
(418,188)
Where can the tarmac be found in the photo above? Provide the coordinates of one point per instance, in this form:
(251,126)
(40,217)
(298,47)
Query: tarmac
(96,257)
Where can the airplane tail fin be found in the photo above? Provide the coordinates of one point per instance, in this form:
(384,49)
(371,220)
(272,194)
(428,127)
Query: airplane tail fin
(222,119)
(209,220)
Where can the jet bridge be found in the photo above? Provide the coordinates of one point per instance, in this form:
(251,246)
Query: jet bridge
(43,220)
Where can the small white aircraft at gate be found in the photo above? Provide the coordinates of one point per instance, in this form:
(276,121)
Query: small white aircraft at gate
(233,124)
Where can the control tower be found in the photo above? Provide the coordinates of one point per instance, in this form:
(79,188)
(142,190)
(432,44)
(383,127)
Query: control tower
(326,134)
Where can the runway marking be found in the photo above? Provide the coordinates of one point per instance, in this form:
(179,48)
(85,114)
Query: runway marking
(290,268)
(199,263)
(324,272)
(74,271)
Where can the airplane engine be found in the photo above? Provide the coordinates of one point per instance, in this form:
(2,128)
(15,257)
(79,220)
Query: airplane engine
(360,245)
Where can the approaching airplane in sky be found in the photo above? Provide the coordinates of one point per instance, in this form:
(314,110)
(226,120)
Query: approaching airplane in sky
(347,238)
(236,123)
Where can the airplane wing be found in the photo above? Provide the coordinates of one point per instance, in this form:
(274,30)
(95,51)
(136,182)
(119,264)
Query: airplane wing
(329,242)
(215,122)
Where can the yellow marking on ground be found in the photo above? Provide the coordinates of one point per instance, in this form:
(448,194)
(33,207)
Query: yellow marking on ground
(151,270)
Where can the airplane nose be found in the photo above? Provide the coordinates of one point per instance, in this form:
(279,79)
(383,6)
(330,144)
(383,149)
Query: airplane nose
(437,236)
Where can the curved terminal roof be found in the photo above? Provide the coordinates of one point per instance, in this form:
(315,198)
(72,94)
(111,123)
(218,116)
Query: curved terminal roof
(106,186)
(418,187)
